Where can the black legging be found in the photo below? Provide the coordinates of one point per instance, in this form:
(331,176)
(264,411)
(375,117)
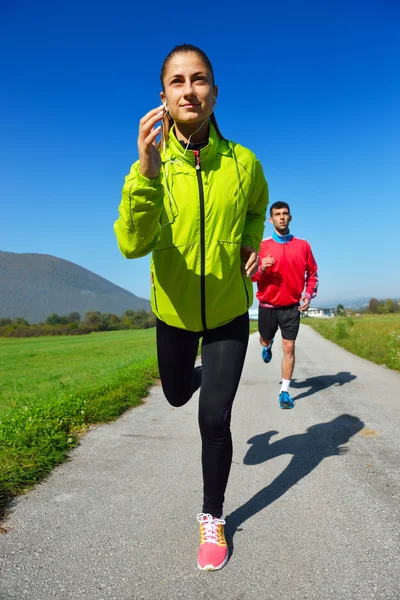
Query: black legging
(223,352)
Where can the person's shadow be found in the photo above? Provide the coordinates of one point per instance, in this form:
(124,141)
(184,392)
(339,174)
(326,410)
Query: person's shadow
(321,382)
(308,450)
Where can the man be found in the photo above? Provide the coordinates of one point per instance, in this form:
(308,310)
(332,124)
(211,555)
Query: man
(286,267)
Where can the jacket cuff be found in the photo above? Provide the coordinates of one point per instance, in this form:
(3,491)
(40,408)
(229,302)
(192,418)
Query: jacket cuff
(147,182)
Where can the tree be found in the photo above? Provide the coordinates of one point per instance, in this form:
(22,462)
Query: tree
(109,322)
(389,306)
(373,306)
(53,319)
(73,317)
(20,321)
(340,310)
(92,319)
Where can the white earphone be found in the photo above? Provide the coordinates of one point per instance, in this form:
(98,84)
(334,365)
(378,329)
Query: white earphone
(173,161)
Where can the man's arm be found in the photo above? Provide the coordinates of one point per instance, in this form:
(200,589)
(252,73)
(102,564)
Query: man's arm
(311,276)
(263,263)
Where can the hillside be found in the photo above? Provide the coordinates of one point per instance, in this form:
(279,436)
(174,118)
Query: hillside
(35,285)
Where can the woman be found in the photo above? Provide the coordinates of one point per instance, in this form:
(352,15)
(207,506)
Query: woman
(198,203)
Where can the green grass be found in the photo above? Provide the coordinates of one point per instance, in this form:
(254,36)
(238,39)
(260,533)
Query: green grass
(53,388)
(374,337)
(253,326)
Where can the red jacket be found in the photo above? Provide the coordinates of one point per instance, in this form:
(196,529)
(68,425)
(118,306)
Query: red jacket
(294,269)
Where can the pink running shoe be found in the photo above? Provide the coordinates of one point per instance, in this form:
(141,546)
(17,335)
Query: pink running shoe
(213,552)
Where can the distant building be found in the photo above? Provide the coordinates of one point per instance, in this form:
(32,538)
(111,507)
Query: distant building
(253,313)
(322,313)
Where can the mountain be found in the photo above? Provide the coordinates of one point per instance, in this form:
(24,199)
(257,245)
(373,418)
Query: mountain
(353,303)
(35,285)
(356,303)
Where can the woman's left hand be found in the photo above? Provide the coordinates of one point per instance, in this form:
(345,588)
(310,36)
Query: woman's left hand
(250,259)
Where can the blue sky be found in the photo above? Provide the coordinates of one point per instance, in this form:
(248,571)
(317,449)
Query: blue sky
(313,88)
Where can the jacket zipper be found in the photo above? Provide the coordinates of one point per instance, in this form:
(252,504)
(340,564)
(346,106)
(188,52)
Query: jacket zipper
(155,298)
(284,256)
(247,293)
(202,240)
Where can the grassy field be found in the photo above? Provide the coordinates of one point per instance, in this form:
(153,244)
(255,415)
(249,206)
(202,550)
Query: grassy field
(375,337)
(51,389)
(253,326)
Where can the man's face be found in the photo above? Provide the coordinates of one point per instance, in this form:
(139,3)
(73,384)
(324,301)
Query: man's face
(280,219)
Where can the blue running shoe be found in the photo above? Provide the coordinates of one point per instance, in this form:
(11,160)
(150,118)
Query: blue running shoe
(285,401)
(266,353)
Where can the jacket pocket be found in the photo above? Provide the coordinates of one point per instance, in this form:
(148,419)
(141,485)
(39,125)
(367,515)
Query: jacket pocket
(229,288)
(246,291)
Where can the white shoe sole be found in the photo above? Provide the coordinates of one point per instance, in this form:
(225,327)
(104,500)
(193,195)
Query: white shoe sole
(212,568)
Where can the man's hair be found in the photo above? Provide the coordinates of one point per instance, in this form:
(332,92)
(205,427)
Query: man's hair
(278,205)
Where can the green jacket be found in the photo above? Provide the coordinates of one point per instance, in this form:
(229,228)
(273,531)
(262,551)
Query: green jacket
(194,217)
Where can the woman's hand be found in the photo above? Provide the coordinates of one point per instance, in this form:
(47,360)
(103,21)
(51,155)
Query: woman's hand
(149,156)
(250,259)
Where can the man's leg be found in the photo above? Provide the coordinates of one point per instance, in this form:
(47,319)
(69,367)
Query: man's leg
(289,323)
(267,327)
(288,360)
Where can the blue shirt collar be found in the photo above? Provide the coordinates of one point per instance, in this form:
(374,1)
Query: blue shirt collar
(282,239)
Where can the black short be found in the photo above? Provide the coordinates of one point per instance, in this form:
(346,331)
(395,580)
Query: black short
(287,318)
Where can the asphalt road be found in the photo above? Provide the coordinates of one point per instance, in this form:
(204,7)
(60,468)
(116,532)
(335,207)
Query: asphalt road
(312,505)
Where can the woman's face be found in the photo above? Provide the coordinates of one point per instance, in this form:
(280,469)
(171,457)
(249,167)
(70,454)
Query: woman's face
(188,88)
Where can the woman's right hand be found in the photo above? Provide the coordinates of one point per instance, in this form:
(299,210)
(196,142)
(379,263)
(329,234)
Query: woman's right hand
(149,155)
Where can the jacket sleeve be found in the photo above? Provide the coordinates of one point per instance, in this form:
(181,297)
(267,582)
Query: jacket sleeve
(257,275)
(311,275)
(138,226)
(257,207)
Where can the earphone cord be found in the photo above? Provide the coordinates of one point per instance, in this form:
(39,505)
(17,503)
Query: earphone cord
(169,160)
(189,138)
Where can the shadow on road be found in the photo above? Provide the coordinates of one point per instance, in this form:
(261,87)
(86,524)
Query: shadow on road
(317,384)
(308,450)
